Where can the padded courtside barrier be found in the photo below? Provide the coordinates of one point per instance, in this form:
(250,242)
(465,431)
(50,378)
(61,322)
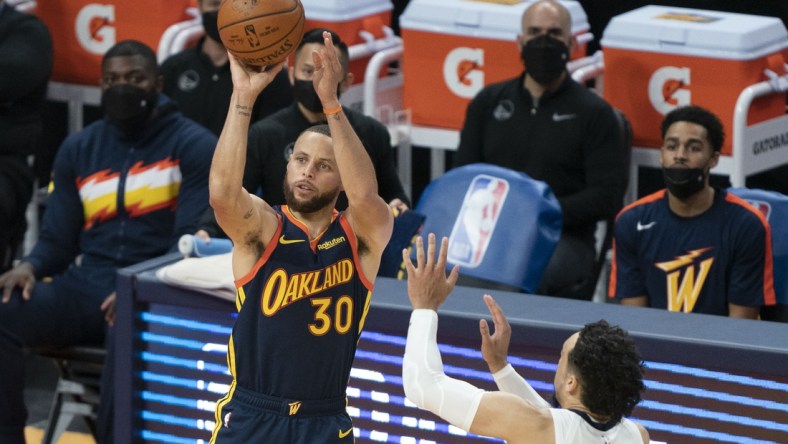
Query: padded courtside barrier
(502,225)
(774,206)
(83,30)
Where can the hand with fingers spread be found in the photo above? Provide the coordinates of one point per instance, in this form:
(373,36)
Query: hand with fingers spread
(495,347)
(328,73)
(21,276)
(252,79)
(428,284)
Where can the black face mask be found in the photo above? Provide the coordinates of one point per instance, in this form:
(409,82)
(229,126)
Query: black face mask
(305,94)
(684,182)
(545,58)
(128,107)
(211,26)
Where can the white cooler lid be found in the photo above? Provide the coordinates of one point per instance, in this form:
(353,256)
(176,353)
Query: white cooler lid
(479,18)
(696,32)
(344,10)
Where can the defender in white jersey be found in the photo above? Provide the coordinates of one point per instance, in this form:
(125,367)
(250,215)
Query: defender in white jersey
(599,378)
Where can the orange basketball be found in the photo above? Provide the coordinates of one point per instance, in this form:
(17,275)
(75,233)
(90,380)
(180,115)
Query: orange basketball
(261,32)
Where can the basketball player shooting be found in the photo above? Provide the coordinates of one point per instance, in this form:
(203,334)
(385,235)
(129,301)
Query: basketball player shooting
(304,272)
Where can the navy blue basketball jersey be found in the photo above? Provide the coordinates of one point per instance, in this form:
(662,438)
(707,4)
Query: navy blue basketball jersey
(693,264)
(301,311)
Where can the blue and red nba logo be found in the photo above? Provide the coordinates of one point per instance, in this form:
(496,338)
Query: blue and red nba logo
(476,220)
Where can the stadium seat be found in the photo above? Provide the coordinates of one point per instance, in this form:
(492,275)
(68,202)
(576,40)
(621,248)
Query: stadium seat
(775,207)
(77,391)
(502,225)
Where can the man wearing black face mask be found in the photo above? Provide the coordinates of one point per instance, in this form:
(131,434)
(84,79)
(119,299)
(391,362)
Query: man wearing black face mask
(124,189)
(546,125)
(691,247)
(198,78)
(271,139)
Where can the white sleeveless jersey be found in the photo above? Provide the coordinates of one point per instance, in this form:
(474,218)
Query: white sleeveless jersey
(571,428)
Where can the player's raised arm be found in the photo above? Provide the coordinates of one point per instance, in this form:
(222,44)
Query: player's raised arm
(369,215)
(497,414)
(246,219)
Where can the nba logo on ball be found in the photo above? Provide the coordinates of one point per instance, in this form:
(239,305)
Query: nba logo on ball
(477,219)
(261,32)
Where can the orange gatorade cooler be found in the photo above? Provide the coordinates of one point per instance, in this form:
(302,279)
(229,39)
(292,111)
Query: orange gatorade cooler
(351,19)
(453,48)
(83,30)
(658,58)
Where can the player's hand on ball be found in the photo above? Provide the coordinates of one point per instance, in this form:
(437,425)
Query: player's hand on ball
(252,79)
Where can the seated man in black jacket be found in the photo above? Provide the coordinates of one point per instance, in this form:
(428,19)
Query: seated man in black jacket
(25,66)
(548,126)
(272,139)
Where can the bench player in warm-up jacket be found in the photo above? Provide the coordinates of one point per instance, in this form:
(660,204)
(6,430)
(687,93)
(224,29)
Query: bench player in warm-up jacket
(304,271)
(691,247)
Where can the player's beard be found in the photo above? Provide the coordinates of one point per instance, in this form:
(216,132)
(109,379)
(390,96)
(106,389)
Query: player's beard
(316,203)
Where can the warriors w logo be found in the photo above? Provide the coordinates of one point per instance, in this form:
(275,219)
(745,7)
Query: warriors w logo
(685,295)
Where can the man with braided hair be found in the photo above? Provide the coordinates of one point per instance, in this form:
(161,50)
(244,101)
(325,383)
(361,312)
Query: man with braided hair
(598,382)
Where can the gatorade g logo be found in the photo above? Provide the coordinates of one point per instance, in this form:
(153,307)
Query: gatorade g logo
(462,73)
(95,28)
(683,296)
(668,88)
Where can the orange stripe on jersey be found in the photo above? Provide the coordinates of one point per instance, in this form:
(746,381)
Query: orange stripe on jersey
(363,319)
(644,200)
(354,246)
(269,249)
(611,286)
(769,297)
(312,241)
(653,197)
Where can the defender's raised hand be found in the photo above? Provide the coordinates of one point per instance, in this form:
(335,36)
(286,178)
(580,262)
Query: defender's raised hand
(495,347)
(428,284)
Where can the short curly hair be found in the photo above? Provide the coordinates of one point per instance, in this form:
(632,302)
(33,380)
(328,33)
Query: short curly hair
(699,116)
(609,368)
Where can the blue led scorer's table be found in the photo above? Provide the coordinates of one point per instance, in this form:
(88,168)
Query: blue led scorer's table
(709,379)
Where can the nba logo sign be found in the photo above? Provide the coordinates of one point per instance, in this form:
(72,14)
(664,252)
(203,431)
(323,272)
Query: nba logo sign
(476,221)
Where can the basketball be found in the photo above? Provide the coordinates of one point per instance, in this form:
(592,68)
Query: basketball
(261,32)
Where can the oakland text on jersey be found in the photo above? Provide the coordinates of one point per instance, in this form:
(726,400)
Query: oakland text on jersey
(282,289)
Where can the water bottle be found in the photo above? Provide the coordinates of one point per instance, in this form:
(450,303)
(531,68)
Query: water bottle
(190,245)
